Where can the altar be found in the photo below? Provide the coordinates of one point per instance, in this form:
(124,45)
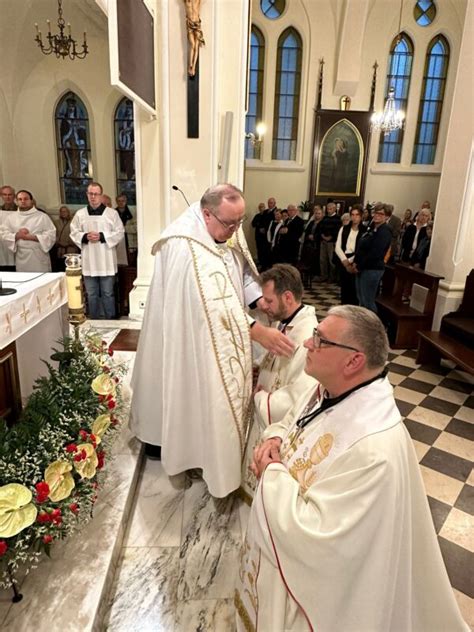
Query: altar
(31,322)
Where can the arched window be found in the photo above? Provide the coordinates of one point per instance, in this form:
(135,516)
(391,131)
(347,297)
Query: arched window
(73,149)
(125,150)
(431,102)
(254,112)
(398,77)
(287,95)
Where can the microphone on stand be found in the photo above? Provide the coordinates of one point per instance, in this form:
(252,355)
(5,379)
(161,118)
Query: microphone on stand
(175,188)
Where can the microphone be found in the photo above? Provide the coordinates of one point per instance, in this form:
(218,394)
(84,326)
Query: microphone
(175,188)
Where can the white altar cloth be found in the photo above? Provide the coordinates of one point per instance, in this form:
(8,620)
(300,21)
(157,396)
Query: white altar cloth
(35,318)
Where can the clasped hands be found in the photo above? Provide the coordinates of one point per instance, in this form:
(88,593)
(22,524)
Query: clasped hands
(24,233)
(93,236)
(267,452)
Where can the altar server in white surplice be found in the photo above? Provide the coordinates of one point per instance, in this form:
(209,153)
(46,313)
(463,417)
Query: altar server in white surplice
(192,380)
(340,535)
(281,381)
(29,234)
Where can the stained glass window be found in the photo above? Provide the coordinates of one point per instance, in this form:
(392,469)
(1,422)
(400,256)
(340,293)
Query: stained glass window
(287,95)
(272,9)
(424,12)
(73,149)
(431,102)
(398,77)
(254,113)
(125,150)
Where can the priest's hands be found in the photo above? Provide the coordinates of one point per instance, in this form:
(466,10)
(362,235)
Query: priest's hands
(272,340)
(93,236)
(22,234)
(267,452)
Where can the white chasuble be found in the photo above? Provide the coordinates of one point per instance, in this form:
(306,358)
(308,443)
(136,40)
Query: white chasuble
(340,535)
(192,377)
(30,256)
(281,382)
(7,258)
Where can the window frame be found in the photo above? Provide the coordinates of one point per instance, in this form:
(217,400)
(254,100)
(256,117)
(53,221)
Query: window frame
(251,119)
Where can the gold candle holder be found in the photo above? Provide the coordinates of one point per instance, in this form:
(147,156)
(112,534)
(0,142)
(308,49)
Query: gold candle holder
(75,296)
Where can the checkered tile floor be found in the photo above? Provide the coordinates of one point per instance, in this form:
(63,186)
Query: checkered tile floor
(438,408)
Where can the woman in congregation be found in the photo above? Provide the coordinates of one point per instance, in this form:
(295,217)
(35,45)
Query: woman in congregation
(64,244)
(309,260)
(346,244)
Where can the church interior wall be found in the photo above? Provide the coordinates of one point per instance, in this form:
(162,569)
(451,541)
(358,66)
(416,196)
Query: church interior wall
(405,185)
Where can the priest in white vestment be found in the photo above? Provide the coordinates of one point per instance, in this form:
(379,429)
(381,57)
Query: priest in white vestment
(29,234)
(281,380)
(340,535)
(192,379)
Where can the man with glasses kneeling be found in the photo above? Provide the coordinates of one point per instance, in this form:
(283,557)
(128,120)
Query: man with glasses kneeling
(340,535)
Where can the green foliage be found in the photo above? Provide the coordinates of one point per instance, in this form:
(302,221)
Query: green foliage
(57,418)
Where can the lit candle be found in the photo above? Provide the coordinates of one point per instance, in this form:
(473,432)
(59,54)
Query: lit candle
(49,26)
(36,25)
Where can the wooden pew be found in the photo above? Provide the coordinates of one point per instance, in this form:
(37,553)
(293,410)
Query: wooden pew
(402,321)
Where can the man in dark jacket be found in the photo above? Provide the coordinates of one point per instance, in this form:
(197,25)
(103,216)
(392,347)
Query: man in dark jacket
(330,226)
(290,234)
(369,262)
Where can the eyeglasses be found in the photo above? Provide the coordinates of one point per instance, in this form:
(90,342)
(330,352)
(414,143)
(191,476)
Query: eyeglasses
(228,225)
(318,341)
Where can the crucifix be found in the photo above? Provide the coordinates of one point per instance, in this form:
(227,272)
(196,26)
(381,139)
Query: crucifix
(195,41)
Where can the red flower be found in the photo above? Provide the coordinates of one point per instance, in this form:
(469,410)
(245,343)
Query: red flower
(71,447)
(42,491)
(110,352)
(3,547)
(105,369)
(116,380)
(56,517)
(83,434)
(43,517)
(81,456)
(47,539)
(101,457)
(111,404)
(74,507)
(101,398)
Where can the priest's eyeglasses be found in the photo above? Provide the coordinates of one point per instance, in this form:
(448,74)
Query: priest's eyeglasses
(229,225)
(318,341)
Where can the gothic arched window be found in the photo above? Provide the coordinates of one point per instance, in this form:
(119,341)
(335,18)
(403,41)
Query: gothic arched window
(125,150)
(287,95)
(398,77)
(431,102)
(254,112)
(73,149)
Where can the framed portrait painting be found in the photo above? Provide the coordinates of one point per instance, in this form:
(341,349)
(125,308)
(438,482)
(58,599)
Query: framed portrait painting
(341,142)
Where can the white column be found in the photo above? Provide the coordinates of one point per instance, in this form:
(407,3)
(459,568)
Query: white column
(452,247)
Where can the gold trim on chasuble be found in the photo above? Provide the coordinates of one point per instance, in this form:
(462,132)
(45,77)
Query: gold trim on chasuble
(215,289)
(247,596)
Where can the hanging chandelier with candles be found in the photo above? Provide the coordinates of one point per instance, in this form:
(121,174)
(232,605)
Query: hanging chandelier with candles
(390,119)
(61,45)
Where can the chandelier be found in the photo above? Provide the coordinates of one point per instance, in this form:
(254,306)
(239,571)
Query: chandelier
(390,119)
(61,45)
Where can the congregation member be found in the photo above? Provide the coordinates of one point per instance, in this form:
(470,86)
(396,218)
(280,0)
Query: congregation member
(7,258)
(310,251)
(125,216)
(329,230)
(289,236)
(340,535)
(96,230)
(345,219)
(277,255)
(346,244)
(369,259)
(192,391)
(122,209)
(8,198)
(413,234)
(29,234)
(422,251)
(260,224)
(281,380)
(64,244)
(395,225)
